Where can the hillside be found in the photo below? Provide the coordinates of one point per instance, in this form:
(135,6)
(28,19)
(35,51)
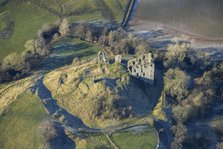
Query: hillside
(79,76)
(78,102)
(99,93)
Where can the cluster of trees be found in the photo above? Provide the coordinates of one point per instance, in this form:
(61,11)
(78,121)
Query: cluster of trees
(207,90)
(16,66)
(218,128)
(176,85)
(197,104)
(190,96)
(180,135)
(118,40)
(48,130)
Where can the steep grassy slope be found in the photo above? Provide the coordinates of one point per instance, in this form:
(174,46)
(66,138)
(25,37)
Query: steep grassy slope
(19,126)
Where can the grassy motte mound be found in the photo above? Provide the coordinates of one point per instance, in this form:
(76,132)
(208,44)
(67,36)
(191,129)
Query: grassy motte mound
(19,126)
(100,94)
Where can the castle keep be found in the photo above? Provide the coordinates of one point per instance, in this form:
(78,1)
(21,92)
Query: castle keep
(143,68)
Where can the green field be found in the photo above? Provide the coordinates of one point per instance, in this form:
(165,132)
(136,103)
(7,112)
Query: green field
(142,137)
(19,125)
(138,139)
(29,16)
(98,142)
(27,20)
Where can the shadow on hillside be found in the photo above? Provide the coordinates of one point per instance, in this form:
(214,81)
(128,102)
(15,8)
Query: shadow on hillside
(71,47)
(55,110)
(143,106)
(136,95)
(207,137)
(61,141)
(163,129)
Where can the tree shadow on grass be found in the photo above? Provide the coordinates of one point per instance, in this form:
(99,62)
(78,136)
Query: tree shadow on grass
(50,104)
(64,55)
(61,141)
(68,47)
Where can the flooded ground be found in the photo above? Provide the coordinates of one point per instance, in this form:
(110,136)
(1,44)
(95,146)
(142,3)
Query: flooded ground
(203,18)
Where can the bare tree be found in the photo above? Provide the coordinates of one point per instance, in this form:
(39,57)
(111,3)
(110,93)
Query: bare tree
(64,28)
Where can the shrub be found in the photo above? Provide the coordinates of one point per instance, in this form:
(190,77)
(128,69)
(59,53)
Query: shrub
(218,127)
(176,83)
(175,55)
(220,145)
(180,134)
(12,61)
(182,113)
(64,28)
(89,36)
(142,47)
(80,31)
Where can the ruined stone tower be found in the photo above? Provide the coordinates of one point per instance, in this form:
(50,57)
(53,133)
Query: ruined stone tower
(142,68)
(102,57)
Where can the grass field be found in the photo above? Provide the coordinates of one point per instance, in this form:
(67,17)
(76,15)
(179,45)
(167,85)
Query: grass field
(10,91)
(29,16)
(19,126)
(138,139)
(27,20)
(76,47)
(67,49)
(98,142)
(143,137)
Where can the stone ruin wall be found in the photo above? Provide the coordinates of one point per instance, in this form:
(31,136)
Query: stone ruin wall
(143,68)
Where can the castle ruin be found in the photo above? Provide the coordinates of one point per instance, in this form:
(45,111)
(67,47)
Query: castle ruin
(102,57)
(118,59)
(143,68)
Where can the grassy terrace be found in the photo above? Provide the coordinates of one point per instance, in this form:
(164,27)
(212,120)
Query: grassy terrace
(19,126)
